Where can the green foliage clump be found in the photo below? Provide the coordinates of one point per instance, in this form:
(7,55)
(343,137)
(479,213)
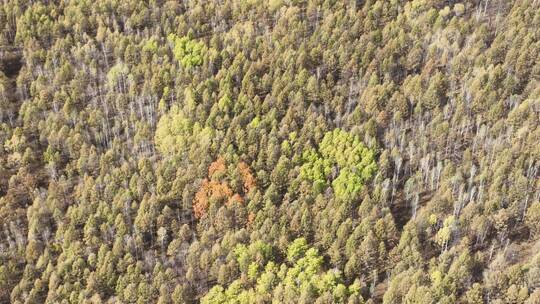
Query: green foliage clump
(297,249)
(301,277)
(256,253)
(175,133)
(36,23)
(150,46)
(342,160)
(187,51)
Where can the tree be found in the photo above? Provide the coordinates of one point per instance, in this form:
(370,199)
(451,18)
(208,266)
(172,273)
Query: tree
(342,159)
(297,249)
(444,235)
(533,218)
(187,51)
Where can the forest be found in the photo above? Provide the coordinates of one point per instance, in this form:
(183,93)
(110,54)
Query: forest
(270,151)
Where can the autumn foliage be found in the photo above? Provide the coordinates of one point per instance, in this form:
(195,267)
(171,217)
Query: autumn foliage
(217,168)
(216,188)
(247,177)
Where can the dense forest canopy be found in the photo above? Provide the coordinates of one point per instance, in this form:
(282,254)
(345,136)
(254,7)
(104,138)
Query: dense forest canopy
(281,151)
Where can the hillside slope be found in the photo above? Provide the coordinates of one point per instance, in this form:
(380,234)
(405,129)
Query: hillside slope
(283,151)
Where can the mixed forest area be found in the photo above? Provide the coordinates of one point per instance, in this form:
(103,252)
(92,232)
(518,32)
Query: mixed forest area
(270,151)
